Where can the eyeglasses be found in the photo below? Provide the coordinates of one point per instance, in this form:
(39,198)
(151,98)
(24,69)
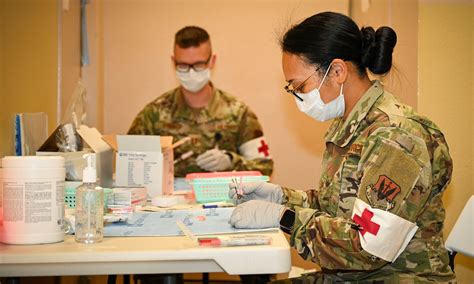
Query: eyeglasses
(198,66)
(294,90)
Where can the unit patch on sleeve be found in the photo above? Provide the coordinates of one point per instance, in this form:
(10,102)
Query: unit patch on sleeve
(382,194)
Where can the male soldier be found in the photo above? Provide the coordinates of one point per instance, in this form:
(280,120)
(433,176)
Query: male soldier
(225,134)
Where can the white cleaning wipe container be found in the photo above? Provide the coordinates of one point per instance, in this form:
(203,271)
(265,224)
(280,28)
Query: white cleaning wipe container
(32,200)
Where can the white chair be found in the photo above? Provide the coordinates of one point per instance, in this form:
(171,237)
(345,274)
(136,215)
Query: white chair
(461,238)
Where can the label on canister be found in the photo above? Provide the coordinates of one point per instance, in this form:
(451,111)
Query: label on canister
(32,200)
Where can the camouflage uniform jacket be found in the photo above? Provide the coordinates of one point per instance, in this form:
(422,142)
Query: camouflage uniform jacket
(380,138)
(225,123)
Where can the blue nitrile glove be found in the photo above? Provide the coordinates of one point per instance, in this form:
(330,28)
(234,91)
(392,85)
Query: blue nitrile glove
(256,214)
(214,160)
(256,191)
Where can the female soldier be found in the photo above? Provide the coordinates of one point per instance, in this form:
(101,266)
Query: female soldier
(378,212)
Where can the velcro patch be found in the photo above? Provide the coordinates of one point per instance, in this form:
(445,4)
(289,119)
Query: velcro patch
(390,178)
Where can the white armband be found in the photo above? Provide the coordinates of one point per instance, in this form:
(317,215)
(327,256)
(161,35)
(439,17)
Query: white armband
(382,233)
(255,148)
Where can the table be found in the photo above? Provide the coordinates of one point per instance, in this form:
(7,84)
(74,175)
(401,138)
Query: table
(143,255)
(460,239)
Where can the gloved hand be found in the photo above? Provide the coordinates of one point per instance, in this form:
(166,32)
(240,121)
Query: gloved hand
(256,191)
(256,214)
(214,160)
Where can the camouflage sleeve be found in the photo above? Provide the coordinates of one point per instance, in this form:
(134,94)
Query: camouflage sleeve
(402,162)
(442,162)
(299,198)
(250,128)
(143,124)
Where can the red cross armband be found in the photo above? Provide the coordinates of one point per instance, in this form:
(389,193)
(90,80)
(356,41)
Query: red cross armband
(255,148)
(382,233)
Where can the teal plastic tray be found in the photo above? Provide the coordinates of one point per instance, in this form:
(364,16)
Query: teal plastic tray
(217,189)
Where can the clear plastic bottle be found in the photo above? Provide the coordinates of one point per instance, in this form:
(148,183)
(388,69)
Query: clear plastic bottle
(89,227)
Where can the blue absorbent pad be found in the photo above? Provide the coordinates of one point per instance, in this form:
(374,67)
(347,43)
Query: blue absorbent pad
(211,221)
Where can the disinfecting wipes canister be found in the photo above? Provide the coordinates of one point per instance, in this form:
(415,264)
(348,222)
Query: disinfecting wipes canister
(32,200)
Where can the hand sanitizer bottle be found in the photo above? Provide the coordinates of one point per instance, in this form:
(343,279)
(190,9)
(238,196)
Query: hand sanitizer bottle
(89,205)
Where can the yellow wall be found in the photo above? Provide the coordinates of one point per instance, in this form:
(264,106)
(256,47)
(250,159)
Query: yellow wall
(445,58)
(402,16)
(34,35)
(28,44)
(2,91)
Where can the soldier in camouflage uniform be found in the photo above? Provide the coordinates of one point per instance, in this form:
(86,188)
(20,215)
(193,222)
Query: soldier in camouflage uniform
(379,153)
(225,133)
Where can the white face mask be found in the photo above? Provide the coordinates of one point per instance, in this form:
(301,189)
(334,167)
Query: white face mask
(313,106)
(194,81)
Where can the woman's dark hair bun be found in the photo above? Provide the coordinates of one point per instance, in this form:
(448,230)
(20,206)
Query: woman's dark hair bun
(325,36)
(368,45)
(377,48)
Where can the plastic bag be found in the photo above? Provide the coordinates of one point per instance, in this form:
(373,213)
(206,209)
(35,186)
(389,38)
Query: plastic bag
(67,138)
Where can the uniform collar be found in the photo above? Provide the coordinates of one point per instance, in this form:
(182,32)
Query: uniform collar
(342,131)
(211,111)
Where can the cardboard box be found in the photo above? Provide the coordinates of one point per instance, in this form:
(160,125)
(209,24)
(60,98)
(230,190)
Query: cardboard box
(144,160)
(75,163)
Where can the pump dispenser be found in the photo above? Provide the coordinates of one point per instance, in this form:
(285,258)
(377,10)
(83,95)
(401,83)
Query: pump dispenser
(89,205)
(89,174)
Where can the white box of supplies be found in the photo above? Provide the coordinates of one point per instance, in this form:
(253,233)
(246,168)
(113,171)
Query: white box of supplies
(145,160)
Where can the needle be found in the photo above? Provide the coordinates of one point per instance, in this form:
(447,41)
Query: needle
(238,187)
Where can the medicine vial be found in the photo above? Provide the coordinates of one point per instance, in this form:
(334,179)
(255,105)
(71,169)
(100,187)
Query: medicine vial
(89,226)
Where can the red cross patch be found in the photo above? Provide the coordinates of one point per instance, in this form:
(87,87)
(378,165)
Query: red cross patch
(264,148)
(366,222)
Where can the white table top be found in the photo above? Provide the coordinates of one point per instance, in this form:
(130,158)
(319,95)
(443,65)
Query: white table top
(143,255)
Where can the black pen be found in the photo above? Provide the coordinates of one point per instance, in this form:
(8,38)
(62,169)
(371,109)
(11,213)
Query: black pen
(217,138)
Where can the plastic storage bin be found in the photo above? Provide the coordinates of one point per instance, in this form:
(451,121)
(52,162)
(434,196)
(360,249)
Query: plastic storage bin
(214,187)
(70,196)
